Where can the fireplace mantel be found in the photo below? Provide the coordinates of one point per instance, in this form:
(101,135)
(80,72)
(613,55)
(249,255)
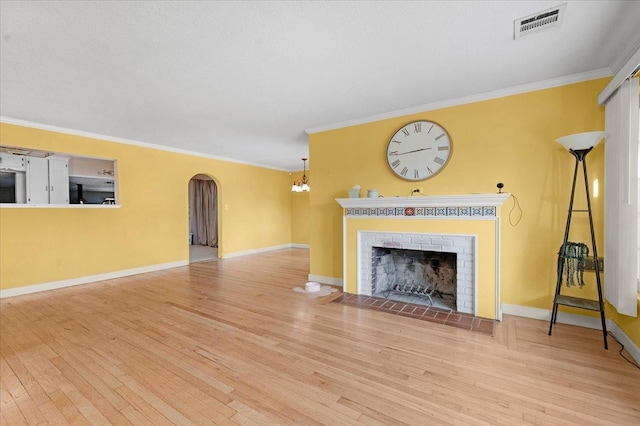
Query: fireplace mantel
(420,222)
(463,200)
(464,205)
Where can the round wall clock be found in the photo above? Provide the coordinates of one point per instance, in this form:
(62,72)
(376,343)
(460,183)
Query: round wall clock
(419,150)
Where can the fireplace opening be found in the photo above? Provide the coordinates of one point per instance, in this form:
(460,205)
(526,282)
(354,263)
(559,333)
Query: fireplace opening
(415,276)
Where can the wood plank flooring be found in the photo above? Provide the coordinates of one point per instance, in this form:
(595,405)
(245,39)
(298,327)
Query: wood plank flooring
(230,342)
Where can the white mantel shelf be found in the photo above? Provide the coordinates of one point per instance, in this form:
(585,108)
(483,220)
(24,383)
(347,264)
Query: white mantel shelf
(464,200)
(464,205)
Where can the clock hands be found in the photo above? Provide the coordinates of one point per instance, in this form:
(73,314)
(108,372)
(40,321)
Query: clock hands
(409,152)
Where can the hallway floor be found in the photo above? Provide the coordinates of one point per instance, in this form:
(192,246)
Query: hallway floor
(198,253)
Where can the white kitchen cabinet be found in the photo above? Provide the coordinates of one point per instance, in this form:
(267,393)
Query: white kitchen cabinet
(47,180)
(11,162)
(58,181)
(37,180)
(50,179)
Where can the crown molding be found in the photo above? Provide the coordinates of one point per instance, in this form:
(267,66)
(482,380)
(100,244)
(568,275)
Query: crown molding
(625,55)
(531,87)
(630,67)
(48,127)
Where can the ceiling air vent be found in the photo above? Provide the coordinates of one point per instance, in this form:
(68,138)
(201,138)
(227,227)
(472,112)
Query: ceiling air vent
(538,21)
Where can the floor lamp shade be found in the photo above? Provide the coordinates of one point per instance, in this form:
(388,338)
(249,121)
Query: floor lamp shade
(580,141)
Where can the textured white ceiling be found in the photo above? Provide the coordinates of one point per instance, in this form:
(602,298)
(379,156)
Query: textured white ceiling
(243,80)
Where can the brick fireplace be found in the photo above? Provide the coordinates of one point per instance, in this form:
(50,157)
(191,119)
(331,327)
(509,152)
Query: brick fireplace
(425,232)
(420,261)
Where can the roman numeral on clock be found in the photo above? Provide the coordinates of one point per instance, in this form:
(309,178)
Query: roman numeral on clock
(438,137)
(395,164)
(417,127)
(395,141)
(404,171)
(439,160)
(393,152)
(416,174)
(443,148)
(406,132)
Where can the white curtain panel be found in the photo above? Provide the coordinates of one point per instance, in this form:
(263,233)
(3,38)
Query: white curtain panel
(621,198)
(203,212)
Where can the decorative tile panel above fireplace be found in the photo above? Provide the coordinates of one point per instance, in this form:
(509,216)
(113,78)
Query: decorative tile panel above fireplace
(468,226)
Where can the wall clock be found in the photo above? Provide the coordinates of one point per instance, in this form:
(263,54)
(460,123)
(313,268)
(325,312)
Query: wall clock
(419,150)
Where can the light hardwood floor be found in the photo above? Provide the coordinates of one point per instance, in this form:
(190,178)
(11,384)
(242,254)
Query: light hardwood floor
(230,342)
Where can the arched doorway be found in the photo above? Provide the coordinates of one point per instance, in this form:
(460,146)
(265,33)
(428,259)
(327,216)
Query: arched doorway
(203,218)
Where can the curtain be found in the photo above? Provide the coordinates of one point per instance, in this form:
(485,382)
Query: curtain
(621,198)
(203,212)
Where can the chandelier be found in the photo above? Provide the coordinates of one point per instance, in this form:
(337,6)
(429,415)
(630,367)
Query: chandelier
(302,184)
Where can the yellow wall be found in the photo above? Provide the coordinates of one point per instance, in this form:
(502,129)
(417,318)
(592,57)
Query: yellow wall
(40,245)
(510,140)
(300,214)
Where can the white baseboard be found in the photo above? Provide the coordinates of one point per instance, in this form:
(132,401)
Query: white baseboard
(545,315)
(629,345)
(35,288)
(302,246)
(256,251)
(263,250)
(578,320)
(326,280)
(19,291)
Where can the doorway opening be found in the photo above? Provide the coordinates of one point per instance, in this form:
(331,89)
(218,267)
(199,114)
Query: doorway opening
(203,219)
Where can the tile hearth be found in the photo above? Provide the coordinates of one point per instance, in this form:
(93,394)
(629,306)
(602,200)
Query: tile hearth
(420,312)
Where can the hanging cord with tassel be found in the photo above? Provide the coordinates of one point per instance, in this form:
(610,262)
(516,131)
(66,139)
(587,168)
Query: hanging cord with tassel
(515,219)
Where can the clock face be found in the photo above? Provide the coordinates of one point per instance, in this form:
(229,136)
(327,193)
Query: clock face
(419,150)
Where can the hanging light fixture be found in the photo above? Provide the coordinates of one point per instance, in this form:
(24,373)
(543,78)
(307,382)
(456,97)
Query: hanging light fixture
(302,184)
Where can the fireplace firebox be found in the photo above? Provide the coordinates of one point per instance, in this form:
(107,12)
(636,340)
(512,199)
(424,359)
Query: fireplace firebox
(451,257)
(415,276)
